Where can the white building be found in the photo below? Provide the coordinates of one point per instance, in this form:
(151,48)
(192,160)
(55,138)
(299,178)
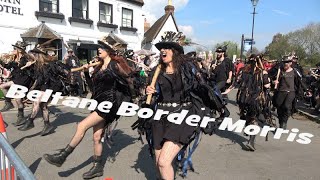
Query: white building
(165,23)
(77,23)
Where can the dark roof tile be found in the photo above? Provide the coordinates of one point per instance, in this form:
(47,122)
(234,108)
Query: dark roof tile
(41,31)
(154,30)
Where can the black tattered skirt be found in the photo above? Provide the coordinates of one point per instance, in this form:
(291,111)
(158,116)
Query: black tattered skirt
(112,114)
(164,130)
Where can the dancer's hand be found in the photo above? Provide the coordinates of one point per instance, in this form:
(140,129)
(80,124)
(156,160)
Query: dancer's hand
(85,66)
(150,90)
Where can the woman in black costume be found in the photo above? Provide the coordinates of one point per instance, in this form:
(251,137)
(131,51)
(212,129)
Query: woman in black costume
(108,78)
(19,76)
(177,89)
(48,73)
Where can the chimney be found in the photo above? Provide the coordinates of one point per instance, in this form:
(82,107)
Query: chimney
(169,8)
(146,25)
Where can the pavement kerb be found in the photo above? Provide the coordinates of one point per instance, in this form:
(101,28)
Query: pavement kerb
(309,116)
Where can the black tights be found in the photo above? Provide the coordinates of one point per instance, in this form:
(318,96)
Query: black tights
(44,108)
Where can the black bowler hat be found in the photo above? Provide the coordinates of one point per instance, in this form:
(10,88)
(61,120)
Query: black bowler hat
(171,40)
(20,45)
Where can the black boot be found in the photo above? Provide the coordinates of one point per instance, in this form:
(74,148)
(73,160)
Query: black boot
(8,105)
(47,128)
(28,125)
(20,119)
(59,158)
(96,170)
(250,144)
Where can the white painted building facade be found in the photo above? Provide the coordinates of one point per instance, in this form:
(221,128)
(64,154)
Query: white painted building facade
(165,23)
(82,20)
(169,25)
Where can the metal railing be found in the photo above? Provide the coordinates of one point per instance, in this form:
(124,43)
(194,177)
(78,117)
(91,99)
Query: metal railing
(7,152)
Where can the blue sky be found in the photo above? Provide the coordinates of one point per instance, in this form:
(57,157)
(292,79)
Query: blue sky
(212,21)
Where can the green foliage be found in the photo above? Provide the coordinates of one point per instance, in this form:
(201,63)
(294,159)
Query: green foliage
(304,42)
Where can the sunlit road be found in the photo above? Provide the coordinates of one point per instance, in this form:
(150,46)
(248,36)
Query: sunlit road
(221,156)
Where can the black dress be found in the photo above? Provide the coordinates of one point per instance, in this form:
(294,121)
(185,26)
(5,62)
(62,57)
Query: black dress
(106,88)
(18,76)
(171,91)
(51,76)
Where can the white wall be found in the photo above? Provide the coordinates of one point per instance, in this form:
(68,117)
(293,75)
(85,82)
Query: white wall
(168,26)
(12,25)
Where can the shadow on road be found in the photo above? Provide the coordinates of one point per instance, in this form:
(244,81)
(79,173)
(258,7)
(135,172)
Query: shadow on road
(34,166)
(145,164)
(66,118)
(232,102)
(16,143)
(121,141)
(235,138)
(75,169)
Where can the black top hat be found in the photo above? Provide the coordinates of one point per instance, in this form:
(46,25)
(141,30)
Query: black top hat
(20,45)
(221,49)
(253,56)
(171,40)
(192,54)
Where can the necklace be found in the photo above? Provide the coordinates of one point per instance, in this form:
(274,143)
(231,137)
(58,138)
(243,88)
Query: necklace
(169,72)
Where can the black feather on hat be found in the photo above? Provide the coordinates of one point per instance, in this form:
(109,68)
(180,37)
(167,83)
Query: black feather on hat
(171,40)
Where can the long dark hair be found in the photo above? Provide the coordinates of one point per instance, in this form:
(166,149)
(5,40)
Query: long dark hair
(115,57)
(177,60)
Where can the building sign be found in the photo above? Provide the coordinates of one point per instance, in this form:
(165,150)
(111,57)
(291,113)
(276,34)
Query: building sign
(10,7)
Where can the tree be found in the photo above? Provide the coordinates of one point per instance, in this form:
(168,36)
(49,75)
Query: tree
(304,42)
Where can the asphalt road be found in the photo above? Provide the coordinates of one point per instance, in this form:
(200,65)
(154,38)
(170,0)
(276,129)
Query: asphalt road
(220,156)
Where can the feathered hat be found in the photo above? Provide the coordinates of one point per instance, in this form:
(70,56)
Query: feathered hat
(44,47)
(173,40)
(107,45)
(20,45)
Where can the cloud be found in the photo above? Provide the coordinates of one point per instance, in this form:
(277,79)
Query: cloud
(187,30)
(154,9)
(280,12)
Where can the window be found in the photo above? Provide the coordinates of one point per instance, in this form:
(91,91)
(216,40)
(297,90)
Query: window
(127,17)
(80,9)
(49,6)
(105,11)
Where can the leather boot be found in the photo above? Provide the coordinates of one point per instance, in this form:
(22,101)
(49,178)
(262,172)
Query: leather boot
(96,170)
(47,129)
(284,126)
(250,144)
(20,119)
(59,158)
(28,125)
(8,105)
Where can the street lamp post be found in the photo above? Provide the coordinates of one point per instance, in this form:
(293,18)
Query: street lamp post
(254,4)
